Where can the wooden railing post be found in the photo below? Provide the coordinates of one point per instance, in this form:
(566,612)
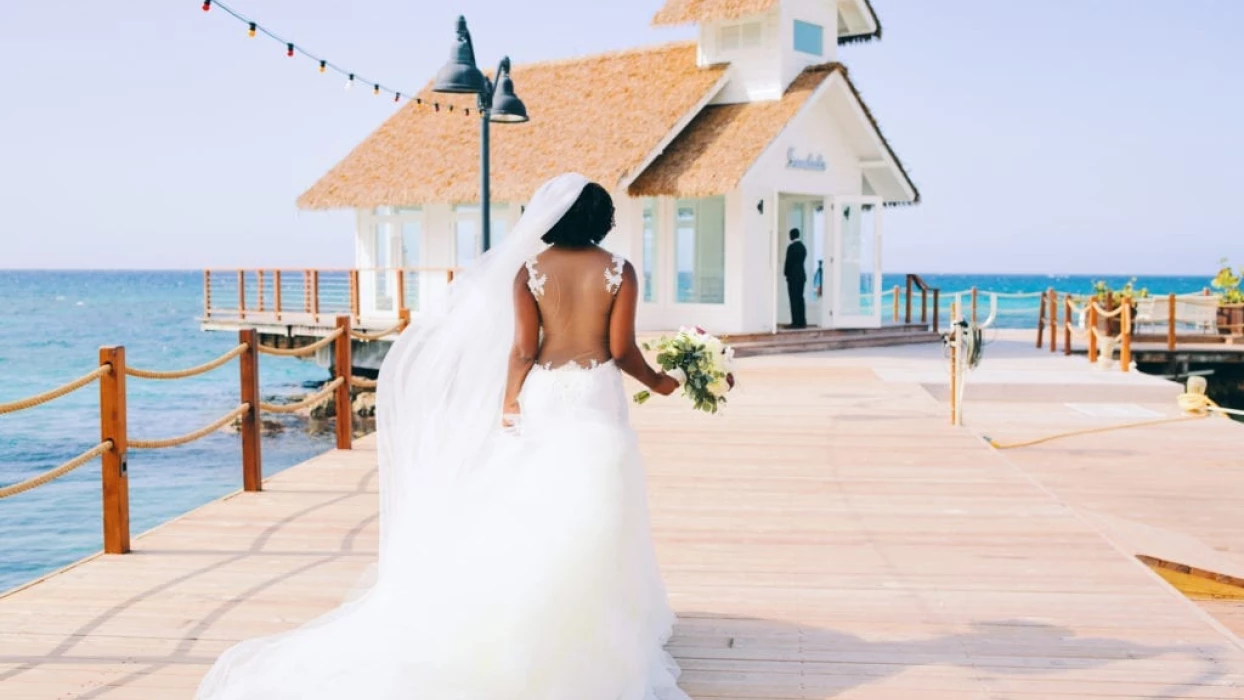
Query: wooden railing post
(1053,301)
(1067,325)
(908,299)
(924,304)
(896,316)
(449,274)
(401,289)
(241,294)
(1170,323)
(937,302)
(315,295)
(975,295)
(306,291)
(207,294)
(1041,320)
(403,315)
(112,426)
(1092,336)
(259,292)
(354,294)
(344,366)
(276,293)
(1125,329)
(248,362)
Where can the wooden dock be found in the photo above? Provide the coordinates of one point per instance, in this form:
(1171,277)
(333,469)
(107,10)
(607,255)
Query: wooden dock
(830,535)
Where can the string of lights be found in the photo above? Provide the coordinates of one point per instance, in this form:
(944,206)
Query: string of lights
(292,49)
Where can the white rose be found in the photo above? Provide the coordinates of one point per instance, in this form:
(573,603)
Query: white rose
(718,387)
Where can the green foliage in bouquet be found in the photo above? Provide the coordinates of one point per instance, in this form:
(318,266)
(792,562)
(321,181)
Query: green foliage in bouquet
(704,361)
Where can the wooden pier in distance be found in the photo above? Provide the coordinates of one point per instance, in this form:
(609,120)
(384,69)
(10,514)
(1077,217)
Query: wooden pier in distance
(829,535)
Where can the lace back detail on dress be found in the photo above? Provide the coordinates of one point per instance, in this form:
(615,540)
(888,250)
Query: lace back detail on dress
(535,280)
(613,276)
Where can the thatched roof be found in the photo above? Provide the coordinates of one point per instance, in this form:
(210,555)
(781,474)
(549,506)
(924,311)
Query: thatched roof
(603,116)
(715,151)
(677,12)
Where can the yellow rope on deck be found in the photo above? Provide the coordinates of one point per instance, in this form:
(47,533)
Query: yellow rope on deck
(299,352)
(58,472)
(191,437)
(372,337)
(39,399)
(311,400)
(1193,402)
(190,372)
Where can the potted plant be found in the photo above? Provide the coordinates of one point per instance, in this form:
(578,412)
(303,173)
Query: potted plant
(1230,299)
(1110,299)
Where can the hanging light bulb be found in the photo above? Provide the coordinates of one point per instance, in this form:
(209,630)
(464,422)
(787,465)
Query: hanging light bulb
(289,50)
(251,32)
(397,97)
(350,82)
(323,66)
(207,5)
(376,89)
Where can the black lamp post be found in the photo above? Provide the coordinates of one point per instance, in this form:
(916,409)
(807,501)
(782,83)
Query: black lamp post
(497,103)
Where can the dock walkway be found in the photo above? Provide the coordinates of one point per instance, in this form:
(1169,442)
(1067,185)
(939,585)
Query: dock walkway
(829,535)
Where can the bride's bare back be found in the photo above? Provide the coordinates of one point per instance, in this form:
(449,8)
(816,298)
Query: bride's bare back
(574,290)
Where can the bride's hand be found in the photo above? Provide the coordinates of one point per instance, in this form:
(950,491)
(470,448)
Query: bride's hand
(666,385)
(510,415)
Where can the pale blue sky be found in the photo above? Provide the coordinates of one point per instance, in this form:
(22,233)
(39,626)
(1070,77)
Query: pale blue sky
(1057,136)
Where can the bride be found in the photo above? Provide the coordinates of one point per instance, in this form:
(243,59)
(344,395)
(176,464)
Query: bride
(515,556)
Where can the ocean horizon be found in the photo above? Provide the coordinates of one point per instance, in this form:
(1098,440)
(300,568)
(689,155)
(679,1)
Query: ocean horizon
(55,321)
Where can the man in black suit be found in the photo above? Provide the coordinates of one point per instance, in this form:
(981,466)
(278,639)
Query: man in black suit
(796,278)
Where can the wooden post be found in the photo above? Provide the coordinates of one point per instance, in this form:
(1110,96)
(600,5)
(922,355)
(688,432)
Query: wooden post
(276,292)
(306,291)
(937,297)
(449,276)
(207,294)
(1092,336)
(354,294)
(1053,300)
(248,363)
(1170,323)
(1067,325)
(401,290)
(403,316)
(344,363)
(1125,329)
(924,304)
(259,277)
(896,316)
(954,364)
(241,294)
(908,299)
(1041,319)
(315,296)
(975,295)
(112,426)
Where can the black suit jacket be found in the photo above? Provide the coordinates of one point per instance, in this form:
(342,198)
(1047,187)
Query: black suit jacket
(796,256)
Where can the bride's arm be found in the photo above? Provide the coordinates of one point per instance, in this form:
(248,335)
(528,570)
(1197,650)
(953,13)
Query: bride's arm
(526,341)
(622,345)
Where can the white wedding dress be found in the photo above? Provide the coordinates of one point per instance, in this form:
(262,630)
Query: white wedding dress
(513,566)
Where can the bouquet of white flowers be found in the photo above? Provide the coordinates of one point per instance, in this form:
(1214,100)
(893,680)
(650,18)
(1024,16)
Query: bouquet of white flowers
(701,363)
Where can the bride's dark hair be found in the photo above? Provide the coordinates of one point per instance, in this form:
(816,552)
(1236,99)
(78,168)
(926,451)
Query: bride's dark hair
(587,222)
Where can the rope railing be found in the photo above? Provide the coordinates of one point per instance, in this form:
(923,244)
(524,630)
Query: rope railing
(361,383)
(307,402)
(40,399)
(189,372)
(55,473)
(196,435)
(303,351)
(380,335)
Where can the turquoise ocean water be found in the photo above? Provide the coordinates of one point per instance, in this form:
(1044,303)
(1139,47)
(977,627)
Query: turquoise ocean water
(51,327)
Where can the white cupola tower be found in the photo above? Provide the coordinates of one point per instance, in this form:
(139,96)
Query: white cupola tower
(771,45)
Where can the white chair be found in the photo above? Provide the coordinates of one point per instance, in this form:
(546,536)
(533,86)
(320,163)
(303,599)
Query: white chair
(1200,312)
(1145,310)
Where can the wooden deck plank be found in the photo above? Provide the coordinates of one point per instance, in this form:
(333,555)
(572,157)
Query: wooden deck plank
(830,535)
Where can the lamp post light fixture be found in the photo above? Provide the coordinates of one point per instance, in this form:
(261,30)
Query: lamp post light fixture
(496,101)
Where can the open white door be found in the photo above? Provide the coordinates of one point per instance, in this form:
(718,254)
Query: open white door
(856,263)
